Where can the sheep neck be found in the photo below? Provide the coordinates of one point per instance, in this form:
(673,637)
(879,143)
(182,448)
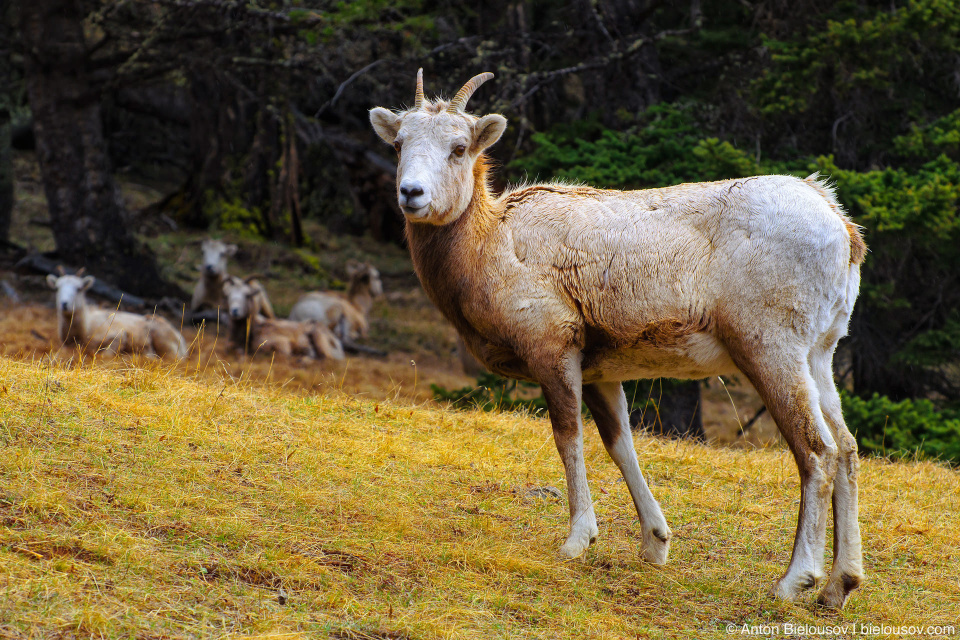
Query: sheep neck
(446,257)
(359,296)
(244,330)
(74,324)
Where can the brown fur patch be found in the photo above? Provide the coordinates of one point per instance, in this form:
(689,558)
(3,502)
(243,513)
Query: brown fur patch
(606,419)
(786,397)
(858,248)
(849,582)
(515,198)
(670,332)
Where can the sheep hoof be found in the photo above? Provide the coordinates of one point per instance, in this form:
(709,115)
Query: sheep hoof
(656,545)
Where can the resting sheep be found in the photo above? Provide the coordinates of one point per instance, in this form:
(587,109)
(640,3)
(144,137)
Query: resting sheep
(208,292)
(579,288)
(346,315)
(94,329)
(253,332)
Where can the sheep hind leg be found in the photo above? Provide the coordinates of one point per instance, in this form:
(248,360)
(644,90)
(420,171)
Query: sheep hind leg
(784,381)
(608,404)
(562,390)
(847,572)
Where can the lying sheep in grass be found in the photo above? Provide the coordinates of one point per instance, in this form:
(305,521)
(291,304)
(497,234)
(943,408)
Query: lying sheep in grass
(94,329)
(346,315)
(208,293)
(252,331)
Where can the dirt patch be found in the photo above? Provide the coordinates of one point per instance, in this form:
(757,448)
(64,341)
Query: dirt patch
(254,576)
(340,560)
(48,550)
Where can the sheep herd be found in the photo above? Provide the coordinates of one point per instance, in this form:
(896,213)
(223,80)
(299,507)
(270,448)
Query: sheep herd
(321,323)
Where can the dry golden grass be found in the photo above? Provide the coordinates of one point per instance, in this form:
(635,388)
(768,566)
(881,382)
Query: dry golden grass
(136,502)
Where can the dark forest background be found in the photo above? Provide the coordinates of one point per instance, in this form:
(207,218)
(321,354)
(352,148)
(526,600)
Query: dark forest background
(256,114)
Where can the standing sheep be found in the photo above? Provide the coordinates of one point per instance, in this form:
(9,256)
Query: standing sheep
(579,288)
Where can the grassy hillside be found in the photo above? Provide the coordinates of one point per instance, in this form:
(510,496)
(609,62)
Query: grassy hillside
(138,503)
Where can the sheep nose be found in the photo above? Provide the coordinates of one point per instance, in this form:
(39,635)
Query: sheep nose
(411,190)
(64,306)
(412,195)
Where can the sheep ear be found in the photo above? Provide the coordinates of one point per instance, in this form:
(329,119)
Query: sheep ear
(52,281)
(488,130)
(87,283)
(232,249)
(386,123)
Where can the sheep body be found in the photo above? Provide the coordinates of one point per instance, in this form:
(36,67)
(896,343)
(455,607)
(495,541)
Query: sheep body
(94,329)
(208,292)
(345,313)
(639,279)
(253,332)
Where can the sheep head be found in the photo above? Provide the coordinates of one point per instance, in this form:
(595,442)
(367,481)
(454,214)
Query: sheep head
(363,275)
(70,291)
(438,144)
(215,254)
(241,298)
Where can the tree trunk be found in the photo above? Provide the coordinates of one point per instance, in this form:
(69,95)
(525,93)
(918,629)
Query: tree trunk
(6,103)
(86,214)
(6,173)
(673,410)
(6,176)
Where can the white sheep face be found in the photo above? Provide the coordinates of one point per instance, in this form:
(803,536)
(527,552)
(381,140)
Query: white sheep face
(438,148)
(70,291)
(215,254)
(239,297)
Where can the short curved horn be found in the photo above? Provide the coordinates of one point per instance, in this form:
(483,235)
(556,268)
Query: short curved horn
(81,271)
(418,101)
(460,100)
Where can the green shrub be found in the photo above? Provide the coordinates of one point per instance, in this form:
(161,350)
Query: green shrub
(494,393)
(665,147)
(903,429)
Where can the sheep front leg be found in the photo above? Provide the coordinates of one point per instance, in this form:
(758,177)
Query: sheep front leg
(562,390)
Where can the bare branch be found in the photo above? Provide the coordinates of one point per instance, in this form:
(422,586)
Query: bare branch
(345,84)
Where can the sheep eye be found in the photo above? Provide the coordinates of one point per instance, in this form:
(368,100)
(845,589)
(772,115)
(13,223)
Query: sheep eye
(397,145)
(459,150)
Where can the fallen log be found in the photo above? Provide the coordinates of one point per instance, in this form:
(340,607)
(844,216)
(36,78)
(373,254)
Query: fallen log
(353,347)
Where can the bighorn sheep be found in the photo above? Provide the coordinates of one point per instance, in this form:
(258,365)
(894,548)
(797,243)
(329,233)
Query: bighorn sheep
(252,331)
(346,315)
(94,329)
(213,273)
(579,288)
